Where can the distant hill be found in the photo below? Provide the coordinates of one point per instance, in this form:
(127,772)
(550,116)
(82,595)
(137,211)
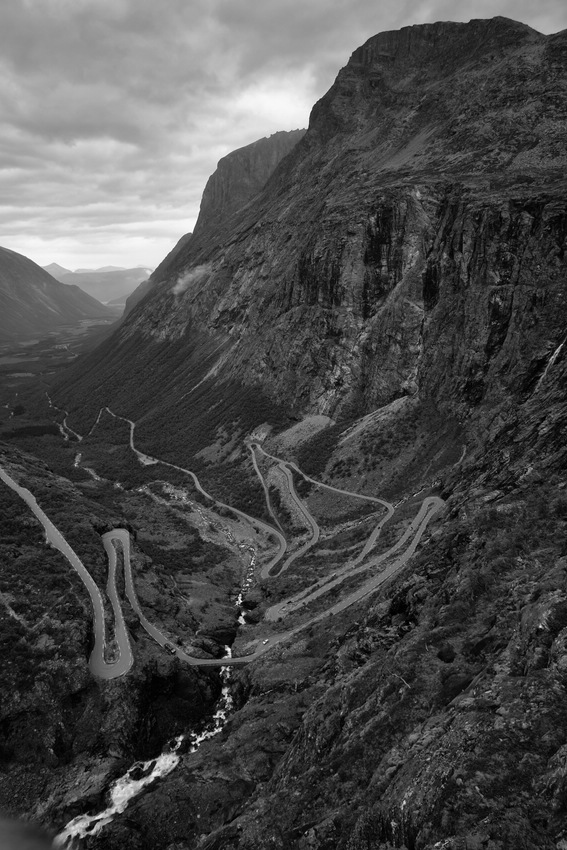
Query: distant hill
(120,300)
(106,285)
(33,301)
(101,269)
(56,271)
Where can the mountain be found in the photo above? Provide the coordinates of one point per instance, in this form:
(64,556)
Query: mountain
(33,302)
(351,242)
(145,286)
(56,271)
(101,269)
(386,314)
(105,285)
(239,177)
(120,301)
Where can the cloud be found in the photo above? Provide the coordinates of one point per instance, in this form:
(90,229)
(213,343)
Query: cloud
(115,112)
(198,274)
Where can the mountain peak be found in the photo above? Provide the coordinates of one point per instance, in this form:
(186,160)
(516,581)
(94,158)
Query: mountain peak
(443,38)
(240,175)
(55,270)
(238,178)
(444,97)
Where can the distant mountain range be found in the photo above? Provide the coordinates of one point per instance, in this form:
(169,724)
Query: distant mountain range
(101,269)
(56,271)
(33,301)
(108,284)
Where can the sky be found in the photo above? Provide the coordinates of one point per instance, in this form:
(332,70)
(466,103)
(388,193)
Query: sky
(113,113)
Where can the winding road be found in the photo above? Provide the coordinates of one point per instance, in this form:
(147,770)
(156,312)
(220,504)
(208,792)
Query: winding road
(148,459)
(264,487)
(269,570)
(430,506)
(97,662)
(118,540)
(65,429)
(286,466)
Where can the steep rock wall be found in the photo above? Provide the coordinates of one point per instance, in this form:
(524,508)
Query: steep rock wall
(239,176)
(412,242)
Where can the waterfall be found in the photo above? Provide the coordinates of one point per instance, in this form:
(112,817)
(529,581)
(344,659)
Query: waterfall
(143,773)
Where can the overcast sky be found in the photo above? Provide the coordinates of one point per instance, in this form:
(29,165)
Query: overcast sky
(115,112)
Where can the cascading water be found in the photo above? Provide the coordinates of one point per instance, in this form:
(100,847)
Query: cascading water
(142,774)
(248,580)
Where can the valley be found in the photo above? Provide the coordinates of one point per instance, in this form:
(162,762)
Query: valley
(118,540)
(283,550)
(114,600)
(26,361)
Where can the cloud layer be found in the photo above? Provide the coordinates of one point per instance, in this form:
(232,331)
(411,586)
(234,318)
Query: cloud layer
(115,112)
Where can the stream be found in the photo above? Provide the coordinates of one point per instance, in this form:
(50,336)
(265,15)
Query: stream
(144,773)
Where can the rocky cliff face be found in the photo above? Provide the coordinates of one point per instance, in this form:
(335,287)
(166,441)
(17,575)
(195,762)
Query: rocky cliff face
(428,185)
(238,178)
